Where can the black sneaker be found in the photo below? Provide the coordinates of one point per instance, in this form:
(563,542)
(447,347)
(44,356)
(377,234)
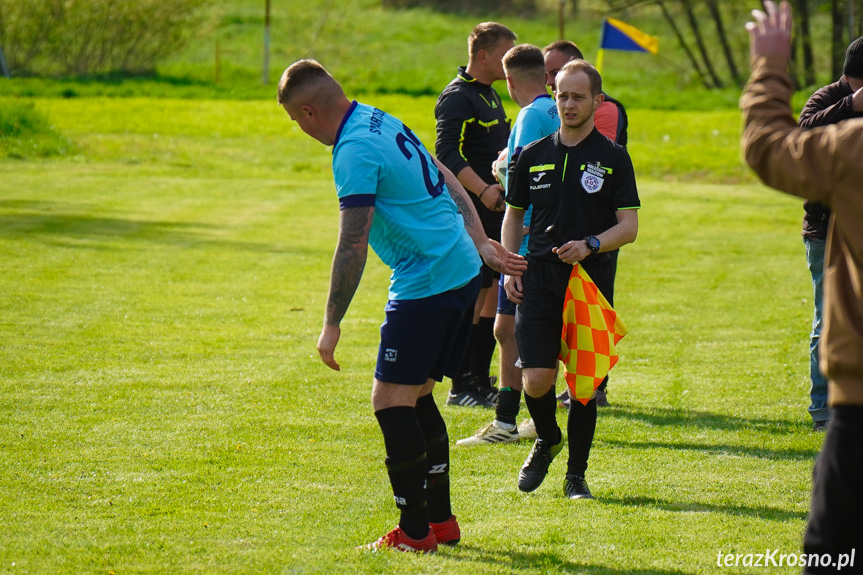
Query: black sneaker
(602,398)
(468,398)
(490,393)
(535,467)
(575,487)
(483,386)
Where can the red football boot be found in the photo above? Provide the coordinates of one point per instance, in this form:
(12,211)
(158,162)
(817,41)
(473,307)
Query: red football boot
(398,540)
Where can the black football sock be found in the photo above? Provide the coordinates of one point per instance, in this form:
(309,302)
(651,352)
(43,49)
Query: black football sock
(406,466)
(580,428)
(543,411)
(437,458)
(483,350)
(508,404)
(604,384)
(463,379)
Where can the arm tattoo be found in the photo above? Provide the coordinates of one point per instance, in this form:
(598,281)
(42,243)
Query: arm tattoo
(462,206)
(348,261)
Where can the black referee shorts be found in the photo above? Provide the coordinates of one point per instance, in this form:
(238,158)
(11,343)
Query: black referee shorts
(539,317)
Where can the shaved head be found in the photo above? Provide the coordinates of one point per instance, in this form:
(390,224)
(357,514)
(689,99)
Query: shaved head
(306,81)
(313,99)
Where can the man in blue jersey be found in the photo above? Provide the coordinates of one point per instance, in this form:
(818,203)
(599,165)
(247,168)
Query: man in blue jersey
(397,198)
(525,79)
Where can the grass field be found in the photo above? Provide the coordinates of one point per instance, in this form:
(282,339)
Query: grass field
(164,409)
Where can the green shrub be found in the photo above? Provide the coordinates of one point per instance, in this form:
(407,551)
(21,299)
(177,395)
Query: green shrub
(25,132)
(62,37)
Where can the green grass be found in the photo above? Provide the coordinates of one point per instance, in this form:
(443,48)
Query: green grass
(194,137)
(164,409)
(24,132)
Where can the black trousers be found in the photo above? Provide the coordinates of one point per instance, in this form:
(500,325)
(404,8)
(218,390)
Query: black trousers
(835,525)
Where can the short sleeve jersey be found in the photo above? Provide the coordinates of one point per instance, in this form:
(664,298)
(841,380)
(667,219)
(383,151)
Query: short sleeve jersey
(577,189)
(535,121)
(417,230)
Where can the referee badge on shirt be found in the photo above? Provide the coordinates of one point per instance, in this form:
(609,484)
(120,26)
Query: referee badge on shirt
(593,176)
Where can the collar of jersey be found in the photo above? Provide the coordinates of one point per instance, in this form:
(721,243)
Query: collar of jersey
(468,79)
(350,111)
(589,137)
(462,73)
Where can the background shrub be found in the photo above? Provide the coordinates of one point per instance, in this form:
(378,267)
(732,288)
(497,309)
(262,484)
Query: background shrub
(83,37)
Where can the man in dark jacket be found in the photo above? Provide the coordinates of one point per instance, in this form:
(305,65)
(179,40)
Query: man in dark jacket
(831,104)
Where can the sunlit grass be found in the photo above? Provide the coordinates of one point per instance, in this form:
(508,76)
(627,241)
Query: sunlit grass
(164,409)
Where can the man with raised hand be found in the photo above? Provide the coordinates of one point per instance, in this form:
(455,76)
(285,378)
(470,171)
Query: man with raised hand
(820,164)
(585,204)
(525,79)
(472,128)
(395,197)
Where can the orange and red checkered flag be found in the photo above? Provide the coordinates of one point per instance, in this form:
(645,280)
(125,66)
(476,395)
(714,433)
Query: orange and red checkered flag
(591,329)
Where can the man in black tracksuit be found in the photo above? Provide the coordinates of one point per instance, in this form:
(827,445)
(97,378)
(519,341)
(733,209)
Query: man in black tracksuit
(472,129)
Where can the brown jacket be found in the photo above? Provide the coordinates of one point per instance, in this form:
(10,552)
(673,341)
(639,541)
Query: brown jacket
(826,165)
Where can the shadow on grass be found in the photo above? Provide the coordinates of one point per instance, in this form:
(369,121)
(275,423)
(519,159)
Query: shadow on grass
(701,419)
(761,512)
(688,419)
(550,561)
(47,220)
(788,454)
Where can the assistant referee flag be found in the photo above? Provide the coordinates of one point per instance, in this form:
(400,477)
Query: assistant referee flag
(591,330)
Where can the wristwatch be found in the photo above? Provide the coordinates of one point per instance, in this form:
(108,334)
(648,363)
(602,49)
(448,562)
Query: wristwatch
(592,243)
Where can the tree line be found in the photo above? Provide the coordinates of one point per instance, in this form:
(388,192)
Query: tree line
(85,37)
(690,20)
(709,32)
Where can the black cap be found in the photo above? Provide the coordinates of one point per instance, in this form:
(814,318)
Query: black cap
(854,60)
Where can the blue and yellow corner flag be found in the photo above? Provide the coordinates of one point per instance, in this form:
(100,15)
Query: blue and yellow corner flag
(617,35)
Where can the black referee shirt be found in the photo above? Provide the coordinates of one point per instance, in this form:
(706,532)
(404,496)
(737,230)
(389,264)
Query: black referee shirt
(577,189)
(472,127)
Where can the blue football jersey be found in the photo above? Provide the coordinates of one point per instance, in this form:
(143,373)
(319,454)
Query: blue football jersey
(535,121)
(417,230)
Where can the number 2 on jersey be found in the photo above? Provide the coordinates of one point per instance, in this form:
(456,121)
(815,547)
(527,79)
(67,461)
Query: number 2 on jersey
(408,137)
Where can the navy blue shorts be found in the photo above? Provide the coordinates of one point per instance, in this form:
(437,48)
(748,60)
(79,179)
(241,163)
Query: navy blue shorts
(505,306)
(425,338)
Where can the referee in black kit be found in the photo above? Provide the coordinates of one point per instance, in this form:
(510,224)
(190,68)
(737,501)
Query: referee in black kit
(582,186)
